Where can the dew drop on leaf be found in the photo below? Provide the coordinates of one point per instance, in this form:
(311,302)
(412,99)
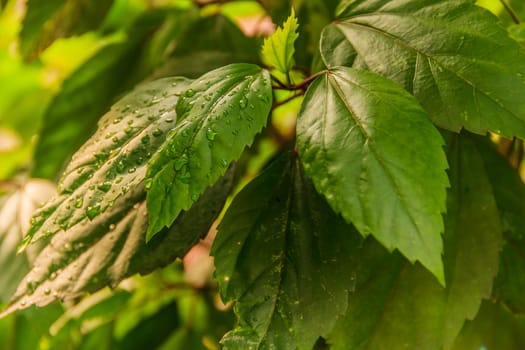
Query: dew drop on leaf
(105,186)
(148,183)
(210,134)
(79,202)
(243,103)
(93,211)
(157,133)
(190,93)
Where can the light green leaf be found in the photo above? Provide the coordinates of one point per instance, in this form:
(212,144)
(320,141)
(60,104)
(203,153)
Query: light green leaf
(372,151)
(283,256)
(221,112)
(95,228)
(452,55)
(400,306)
(278,49)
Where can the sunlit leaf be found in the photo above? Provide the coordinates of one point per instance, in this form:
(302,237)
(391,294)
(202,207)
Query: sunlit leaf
(372,151)
(220,112)
(278,49)
(452,55)
(283,256)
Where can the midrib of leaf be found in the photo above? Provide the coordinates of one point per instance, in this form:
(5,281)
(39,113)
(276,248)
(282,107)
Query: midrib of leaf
(370,144)
(431,58)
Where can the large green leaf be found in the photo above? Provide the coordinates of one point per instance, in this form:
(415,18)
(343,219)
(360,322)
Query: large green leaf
(283,256)
(84,96)
(452,55)
(221,112)
(375,155)
(400,306)
(97,224)
(509,192)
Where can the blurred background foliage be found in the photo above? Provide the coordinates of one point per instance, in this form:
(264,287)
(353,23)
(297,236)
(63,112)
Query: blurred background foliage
(63,63)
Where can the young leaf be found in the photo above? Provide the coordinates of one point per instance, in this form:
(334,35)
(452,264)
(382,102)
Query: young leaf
(99,220)
(283,255)
(278,49)
(377,158)
(465,76)
(400,306)
(220,113)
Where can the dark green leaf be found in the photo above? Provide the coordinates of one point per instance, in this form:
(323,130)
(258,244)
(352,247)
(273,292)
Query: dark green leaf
(84,96)
(99,220)
(220,113)
(283,256)
(400,306)
(493,328)
(509,192)
(375,155)
(452,55)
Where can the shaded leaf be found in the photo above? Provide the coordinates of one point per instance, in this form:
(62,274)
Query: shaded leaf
(452,55)
(278,49)
(283,256)
(397,305)
(16,210)
(84,96)
(371,150)
(98,221)
(509,192)
(221,112)
(493,328)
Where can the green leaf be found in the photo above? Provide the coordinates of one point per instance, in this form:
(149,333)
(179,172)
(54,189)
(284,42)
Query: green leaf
(283,256)
(16,210)
(493,328)
(221,112)
(97,224)
(278,49)
(397,305)
(84,96)
(452,55)
(509,192)
(371,150)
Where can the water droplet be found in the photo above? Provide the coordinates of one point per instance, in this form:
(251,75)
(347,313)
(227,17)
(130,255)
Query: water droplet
(180,162)
(226,278)
(194,197)
(119,180)
(136,205)
(157,133)
(79,201)
(112,227)
(125,189)
(93,211)
(105,186)
(243,103)
(117,120)
(68,247)
(47,291)
(189,93)
(168,120)
(145,140)
(120,166)
(210,134)
(128,130)
(148,183)
(132,170)
(52,276)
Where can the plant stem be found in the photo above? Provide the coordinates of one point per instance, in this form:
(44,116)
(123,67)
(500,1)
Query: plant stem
(510,11)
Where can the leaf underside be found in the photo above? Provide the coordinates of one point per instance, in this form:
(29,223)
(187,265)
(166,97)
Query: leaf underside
(220,114)
(283,255)
(397,305)
(374,154)
(451,55)
(95,228)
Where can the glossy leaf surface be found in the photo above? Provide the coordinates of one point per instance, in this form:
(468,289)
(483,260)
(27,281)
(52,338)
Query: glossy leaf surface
(372,151)
(451,55)
(283,256)
(220,114)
